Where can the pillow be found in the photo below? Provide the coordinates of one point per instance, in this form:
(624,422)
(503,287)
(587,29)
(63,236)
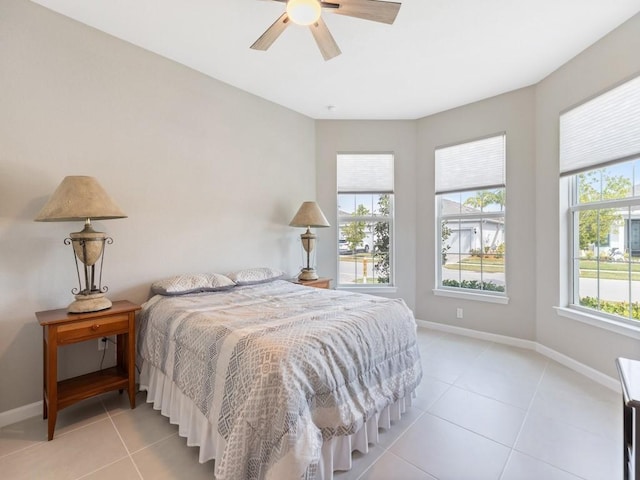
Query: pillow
(192,283)
(252,276)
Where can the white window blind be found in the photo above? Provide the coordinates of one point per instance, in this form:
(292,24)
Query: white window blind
(474,165)
(365,173)
(603,130)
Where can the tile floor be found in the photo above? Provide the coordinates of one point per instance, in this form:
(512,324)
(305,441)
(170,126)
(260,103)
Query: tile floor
(484,411)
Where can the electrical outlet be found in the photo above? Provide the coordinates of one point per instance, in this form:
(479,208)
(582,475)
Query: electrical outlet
(459,313)
(103,343)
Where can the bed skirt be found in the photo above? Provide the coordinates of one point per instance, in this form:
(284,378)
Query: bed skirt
(194,426)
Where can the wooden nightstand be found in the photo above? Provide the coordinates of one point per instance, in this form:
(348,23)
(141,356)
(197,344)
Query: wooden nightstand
(62,328)
(322,282)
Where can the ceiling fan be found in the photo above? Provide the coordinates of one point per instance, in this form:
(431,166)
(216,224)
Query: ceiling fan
(308,12)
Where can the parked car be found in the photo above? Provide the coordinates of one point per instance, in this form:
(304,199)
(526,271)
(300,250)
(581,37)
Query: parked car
(364,246)
(343,247)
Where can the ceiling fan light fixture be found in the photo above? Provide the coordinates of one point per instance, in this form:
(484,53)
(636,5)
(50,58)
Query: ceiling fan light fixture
(303,12)
(308,12)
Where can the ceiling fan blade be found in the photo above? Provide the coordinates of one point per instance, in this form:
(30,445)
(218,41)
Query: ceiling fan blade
(374,10)
(272,33)
(327,45)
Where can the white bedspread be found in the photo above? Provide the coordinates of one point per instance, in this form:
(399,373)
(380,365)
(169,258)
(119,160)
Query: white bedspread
(277,368)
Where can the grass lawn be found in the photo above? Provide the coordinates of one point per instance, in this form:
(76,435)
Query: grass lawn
(475,267)
(490,264)
(612,266)
(609,270)
(588,268)
(609,275)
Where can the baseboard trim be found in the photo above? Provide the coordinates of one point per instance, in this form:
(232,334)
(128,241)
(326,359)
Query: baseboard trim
(587,371)
(467,332)
(21,413)
(590,373)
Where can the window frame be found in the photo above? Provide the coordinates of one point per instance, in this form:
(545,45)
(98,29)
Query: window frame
(573,212)
(369,219)
(480,215)
(598,132)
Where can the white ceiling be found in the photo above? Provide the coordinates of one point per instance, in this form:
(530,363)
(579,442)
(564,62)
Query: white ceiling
(438,54)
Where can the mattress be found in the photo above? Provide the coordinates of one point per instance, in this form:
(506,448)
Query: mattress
(270,379)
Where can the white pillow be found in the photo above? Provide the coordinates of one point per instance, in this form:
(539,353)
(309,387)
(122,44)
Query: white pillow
(192,283)
(252,276)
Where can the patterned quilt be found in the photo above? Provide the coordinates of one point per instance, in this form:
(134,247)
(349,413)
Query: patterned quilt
(278,368)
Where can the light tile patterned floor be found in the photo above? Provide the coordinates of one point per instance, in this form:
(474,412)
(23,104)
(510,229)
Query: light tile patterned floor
(484,411)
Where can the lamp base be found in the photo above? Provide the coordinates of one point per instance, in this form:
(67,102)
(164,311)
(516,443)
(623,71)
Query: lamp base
(308,274)
(93,302)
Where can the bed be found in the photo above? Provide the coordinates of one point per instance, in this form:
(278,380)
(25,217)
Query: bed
(276,380)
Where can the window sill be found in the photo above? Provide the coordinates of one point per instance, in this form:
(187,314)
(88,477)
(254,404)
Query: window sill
(480,297)
(367,289)
(599,321)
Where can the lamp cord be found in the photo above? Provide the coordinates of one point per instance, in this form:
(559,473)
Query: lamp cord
(104,352)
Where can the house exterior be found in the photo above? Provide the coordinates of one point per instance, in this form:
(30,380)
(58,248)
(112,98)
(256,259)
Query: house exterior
(472,235)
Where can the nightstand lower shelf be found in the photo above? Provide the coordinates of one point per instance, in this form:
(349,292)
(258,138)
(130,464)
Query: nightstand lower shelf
(85,386)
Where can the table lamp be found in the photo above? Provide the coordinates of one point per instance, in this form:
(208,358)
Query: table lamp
(309,215)
(81,198)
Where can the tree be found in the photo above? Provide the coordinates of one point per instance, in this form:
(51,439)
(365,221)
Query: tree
(381,243)
(484,198)
(354,232)
(595,225)
(498,198)
(446,233)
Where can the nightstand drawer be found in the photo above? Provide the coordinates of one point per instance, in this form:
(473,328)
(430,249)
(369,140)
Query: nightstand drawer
(322,282)
(319,283)
(80,331)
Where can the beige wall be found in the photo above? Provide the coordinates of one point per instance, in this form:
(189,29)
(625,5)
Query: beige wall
(209,176)
(610,61)
(513,113)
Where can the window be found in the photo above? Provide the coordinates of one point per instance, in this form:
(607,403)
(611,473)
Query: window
(365,216)
(600,157)
(470,197)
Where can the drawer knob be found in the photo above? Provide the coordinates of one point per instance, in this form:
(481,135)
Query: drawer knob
(95,326)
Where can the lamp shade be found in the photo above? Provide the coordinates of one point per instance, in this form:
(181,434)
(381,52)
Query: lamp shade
(309,215)
(79,198)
